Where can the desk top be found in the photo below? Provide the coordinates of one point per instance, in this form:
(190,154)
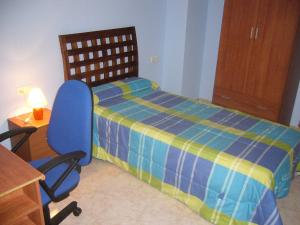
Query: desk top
(15,173)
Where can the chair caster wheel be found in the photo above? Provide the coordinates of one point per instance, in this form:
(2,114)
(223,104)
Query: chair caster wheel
(77,211)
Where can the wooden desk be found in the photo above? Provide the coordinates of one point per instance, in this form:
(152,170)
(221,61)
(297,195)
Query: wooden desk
(20,200)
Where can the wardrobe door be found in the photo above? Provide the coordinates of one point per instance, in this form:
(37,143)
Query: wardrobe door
(236,42)
(272,49)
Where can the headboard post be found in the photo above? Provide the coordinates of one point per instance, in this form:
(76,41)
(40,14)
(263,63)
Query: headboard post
(63,49)
(100,57)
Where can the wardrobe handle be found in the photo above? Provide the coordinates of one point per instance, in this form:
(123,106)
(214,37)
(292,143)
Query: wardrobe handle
(225,97)
(256,33)
(261,108)
(251,32)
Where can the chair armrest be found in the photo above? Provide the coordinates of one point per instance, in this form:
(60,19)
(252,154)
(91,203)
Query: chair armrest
(27,131)
(69,157)
(14,132)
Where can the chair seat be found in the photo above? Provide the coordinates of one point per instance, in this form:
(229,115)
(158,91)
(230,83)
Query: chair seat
(52,176)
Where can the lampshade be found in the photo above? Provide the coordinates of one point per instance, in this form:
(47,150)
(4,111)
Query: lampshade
(36,98)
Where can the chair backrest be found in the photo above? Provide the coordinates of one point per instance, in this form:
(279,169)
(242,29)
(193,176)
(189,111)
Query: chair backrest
(70,127)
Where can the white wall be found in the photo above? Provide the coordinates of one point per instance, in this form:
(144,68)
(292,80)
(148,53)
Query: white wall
(183,46)
(194,47)
(211,47)
(296,112)
(30,52)
(174,45)
(295,70)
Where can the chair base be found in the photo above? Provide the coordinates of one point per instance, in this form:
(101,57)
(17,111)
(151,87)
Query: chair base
(59,217)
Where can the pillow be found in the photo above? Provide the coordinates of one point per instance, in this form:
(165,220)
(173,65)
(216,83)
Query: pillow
(122,87)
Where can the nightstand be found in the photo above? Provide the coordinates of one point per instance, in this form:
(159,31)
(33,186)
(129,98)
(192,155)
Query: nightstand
(36,147)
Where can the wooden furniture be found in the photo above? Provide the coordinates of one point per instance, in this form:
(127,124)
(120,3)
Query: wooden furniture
(256,46)
(36,147)
(101,56)
(20,201)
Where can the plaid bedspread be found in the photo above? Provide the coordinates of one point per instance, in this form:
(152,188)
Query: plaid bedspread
(225,165)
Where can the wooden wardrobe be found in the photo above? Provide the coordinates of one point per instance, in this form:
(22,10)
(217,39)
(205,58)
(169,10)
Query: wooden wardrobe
(256,47)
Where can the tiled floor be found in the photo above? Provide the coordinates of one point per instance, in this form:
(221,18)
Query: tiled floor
(110,196)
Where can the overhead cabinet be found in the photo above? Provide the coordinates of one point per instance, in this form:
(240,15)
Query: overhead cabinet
(256,46)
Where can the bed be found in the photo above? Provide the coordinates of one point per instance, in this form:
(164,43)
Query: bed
(227,166)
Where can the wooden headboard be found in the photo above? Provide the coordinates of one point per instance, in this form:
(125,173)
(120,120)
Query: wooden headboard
(100,57)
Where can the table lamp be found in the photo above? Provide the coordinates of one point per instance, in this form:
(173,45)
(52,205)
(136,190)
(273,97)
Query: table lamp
(37,101)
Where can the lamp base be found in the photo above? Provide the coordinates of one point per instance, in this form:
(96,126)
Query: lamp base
(38,113)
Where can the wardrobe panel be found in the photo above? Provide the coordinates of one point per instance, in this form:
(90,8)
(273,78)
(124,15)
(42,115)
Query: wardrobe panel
(272,49)
(235,48)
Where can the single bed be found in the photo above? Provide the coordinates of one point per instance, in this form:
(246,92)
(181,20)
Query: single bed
(225,165)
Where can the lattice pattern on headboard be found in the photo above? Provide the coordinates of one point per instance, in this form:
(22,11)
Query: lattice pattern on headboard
(101,56)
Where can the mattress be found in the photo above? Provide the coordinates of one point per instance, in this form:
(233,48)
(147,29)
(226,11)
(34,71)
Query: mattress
(227,166)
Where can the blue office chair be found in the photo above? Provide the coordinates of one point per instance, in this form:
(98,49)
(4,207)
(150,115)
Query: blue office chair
(70,136)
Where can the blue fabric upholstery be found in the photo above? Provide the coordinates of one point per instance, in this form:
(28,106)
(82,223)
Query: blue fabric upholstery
(51,177)
(36,163)
(69,128)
